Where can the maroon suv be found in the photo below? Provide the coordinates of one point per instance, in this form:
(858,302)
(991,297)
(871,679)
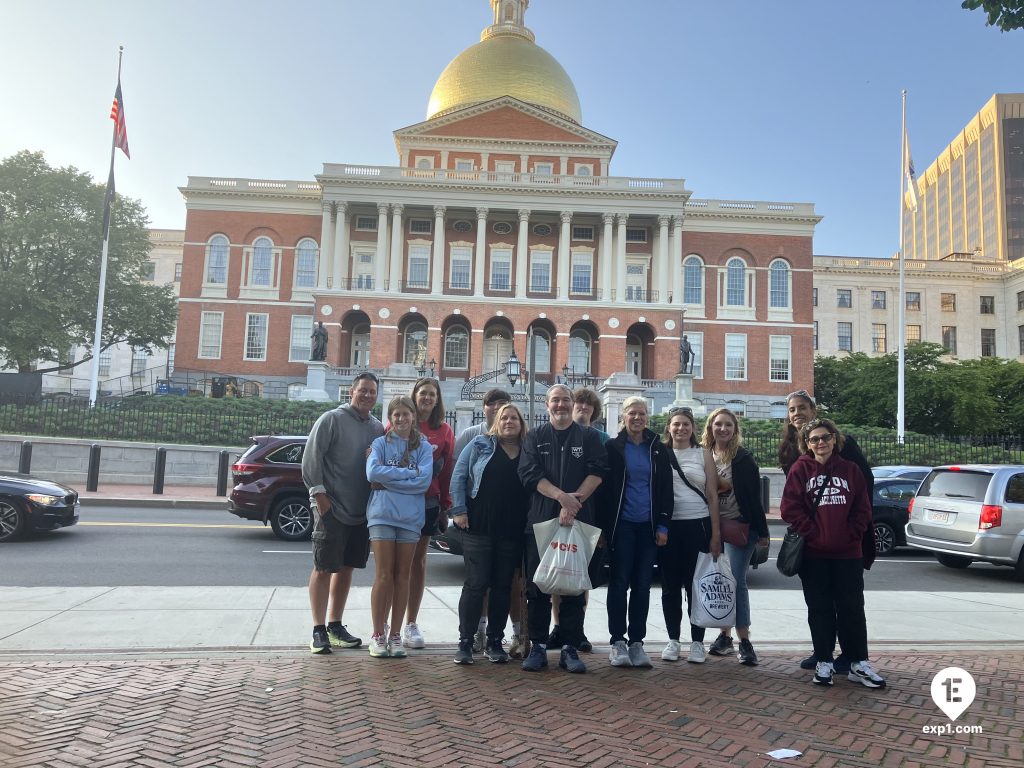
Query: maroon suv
(269,487)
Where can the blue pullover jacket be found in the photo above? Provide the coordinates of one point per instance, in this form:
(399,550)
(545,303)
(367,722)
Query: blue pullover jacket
(405,478)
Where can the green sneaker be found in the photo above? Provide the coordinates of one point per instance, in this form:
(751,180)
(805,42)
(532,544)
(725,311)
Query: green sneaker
(320,644)
(341,638)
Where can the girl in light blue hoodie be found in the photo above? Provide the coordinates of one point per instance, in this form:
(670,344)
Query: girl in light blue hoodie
(399,467)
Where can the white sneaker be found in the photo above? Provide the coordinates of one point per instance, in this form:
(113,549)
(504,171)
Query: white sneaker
(517,647)
(697,654)
(413,638)
(823,673)
(378,646)
(638,656)
(396,649)
(862,672)
(618,656)
(671,651)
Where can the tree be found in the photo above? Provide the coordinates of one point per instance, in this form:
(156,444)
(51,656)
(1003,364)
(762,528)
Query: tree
(1005,14)
(50,244)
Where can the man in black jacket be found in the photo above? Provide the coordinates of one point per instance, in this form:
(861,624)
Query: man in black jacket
(561,466)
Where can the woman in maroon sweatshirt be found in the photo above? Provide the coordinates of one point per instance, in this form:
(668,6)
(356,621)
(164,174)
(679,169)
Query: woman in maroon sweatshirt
(826,501)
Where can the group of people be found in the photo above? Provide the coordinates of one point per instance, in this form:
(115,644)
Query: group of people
(656,498)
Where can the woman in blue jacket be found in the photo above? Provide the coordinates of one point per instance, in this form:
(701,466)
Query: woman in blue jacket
(399,468)
(489,503)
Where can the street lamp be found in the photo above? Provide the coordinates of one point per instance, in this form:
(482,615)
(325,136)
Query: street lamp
(569,375)
(513,368)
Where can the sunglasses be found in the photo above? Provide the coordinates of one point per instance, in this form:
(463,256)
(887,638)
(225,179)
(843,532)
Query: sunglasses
(799,393)
(815,439)
(684,411)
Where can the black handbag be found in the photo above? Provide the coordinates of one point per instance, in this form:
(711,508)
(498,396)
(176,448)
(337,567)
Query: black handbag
(791,553)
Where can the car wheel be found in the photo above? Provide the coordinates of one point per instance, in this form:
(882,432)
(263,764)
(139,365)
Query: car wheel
(292,519)
(953,561)
(1018,570)
(12,521)
(885,539)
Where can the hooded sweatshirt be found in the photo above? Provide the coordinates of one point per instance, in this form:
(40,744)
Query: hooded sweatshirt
(405,475)
(836,528)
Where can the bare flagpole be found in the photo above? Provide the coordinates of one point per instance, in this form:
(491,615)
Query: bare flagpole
(101,295)
(901,307)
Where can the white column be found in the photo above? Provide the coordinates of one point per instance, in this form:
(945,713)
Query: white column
(661,263)
(323,262)
(524,163)
(340,246)
(563,162)
(607,263)
(563,254)
(444,159)
(437,281)
(480,252)
(620,253)
(677,259)
(397,243)
(522,257)
(380,258)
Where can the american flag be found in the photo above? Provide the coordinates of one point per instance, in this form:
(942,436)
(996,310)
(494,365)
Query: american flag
(117,115)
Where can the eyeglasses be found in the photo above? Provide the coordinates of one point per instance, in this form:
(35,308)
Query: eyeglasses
(815,439)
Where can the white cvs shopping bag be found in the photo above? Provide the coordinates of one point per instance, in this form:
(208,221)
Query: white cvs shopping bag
(565,553)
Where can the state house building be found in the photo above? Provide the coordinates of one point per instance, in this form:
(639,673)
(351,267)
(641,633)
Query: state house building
(500,216)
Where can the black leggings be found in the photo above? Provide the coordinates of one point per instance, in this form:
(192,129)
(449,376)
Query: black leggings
(677,561)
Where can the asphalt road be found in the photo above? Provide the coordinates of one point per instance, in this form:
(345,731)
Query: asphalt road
(120,546)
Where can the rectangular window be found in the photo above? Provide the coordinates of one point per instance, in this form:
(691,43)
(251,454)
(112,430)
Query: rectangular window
(988,342)
(419,266)
(149,271)
(1020,301)
(844,298)
(697,344)
(844,337)
(878,299)
(140,361)
(170,357)
(106,357)
(582,273)
(735,356)
(814,338)
(540,271)
(779,357)
(420,226)
(366,223)
(949,338)
(878,341)
(501,270)
(256,336)
(302,330)
(210,326)
(636,235)
(988,305)
(544,169)
(1020,342)
(582,233)
(913,301)
(913,333)
(177,272)
(464,165)
(948,302)
(814,297)
(462,259)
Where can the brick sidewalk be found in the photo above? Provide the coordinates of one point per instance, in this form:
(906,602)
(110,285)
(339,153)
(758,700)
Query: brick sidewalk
(278,710)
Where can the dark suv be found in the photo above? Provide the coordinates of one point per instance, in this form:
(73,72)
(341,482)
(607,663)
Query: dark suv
(269,487)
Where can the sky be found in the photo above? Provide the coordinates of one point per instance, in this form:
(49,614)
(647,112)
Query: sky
(778,100)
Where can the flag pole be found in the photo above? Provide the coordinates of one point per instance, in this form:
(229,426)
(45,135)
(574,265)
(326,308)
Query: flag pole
(101,295)
(901,307)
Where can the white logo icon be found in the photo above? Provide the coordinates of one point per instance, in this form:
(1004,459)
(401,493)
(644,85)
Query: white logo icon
(953,691)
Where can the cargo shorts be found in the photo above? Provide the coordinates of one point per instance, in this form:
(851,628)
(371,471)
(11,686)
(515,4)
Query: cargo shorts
(337,545)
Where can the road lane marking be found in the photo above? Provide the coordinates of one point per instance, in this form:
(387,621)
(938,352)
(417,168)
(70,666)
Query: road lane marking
(166,525)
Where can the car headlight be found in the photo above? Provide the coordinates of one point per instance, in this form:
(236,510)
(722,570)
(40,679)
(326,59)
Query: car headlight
(45,500)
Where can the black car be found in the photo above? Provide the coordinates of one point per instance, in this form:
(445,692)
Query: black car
(890,512)
(269,488)
(30,504)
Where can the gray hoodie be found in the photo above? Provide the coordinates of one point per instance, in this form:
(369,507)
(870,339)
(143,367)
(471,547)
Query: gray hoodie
(334,461)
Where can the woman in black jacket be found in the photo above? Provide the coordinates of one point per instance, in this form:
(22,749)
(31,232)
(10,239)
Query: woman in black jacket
(739,501)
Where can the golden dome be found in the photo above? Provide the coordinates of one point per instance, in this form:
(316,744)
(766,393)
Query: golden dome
(505,65)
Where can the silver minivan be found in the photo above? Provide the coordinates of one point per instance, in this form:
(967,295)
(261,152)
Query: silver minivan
(971,512)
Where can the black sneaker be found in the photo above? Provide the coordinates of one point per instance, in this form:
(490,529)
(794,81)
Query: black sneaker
(537,660)
(555,639)
(841,664)
(494,652)
(809,663)
(569,660)
(586,646)
(464,655)
(746,654)
(340,637)
(722,646)
(320,643)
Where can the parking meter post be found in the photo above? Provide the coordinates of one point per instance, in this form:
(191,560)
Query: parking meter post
(222,474)
(92,478)
(766,493)
(25,459)
(160,470)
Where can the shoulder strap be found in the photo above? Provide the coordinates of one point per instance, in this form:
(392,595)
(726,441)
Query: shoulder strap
(821,492)
(682,475)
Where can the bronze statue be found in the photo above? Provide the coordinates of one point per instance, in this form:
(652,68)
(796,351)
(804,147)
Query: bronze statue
(318,348)
(685,355)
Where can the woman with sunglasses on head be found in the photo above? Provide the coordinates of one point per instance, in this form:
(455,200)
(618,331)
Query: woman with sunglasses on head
(694,528)
(739,501)
(826,501)
(800,409)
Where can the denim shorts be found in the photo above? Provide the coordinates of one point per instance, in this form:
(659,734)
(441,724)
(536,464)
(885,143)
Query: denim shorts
(393,533)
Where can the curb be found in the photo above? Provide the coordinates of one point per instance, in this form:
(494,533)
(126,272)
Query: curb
(154,501)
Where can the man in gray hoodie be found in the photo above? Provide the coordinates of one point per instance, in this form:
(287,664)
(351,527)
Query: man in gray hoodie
(334,470)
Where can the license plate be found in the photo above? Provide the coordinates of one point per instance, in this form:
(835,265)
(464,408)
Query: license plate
(934,516)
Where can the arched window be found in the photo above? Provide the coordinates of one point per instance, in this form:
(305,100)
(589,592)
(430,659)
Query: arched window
(778,285)
(579,351)
(736,283)
(541,351)
(693,280)
(415,344)
(262,261)
(217,260)
(456,348)
(305,263)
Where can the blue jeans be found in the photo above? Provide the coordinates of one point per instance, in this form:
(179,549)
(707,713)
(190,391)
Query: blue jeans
(739,562)
(632,568)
